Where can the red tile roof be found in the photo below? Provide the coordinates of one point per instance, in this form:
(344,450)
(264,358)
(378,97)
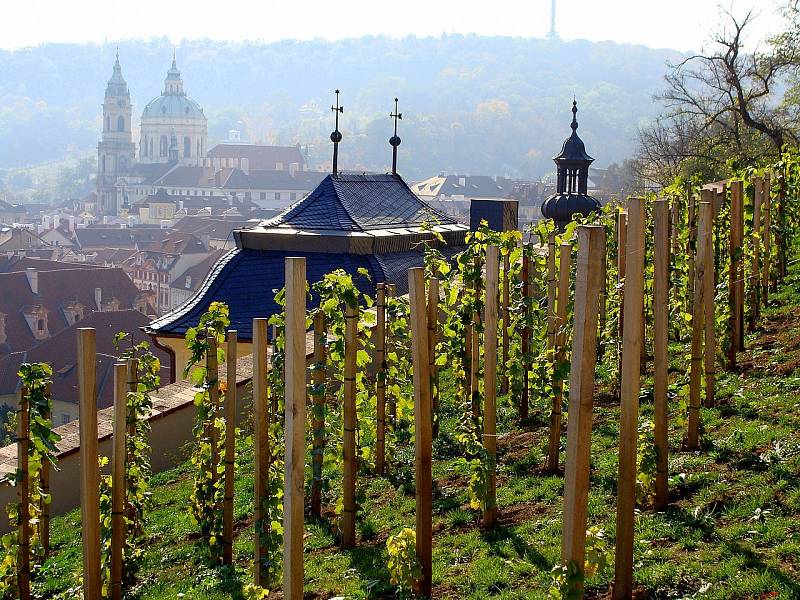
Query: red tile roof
(56,289)
(177,243)
(60,351)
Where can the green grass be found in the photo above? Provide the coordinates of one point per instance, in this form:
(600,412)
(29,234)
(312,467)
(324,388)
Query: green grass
(732,529)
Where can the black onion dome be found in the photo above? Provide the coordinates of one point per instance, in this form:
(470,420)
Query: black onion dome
(574,148)
(561,207)
(572,183)
(394,140)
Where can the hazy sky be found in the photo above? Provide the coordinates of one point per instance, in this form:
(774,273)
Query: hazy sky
(679,24)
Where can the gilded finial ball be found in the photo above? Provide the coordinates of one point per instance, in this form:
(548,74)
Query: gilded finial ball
(336,137)
(394,141)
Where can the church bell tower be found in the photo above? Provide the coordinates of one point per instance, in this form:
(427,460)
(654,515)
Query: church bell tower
(116,151)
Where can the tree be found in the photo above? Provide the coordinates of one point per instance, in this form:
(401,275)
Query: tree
(722,104)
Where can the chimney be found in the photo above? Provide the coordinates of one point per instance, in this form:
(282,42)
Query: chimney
(33,279)
(98,298)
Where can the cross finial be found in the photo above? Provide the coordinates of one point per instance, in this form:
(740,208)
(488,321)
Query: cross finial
(174,53)
(336,136)
(394,141)
(574,124)
(396,116)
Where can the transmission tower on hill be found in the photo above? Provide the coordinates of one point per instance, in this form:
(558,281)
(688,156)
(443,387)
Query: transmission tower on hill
(553,35)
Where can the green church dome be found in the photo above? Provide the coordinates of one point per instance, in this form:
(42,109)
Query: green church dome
(173,101)
(173,106)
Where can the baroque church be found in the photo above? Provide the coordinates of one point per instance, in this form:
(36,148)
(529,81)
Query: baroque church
(173,128)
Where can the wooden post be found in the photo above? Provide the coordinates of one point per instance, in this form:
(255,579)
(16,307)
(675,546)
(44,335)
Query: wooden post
(422,425)
(380,383)
(475,358)
(318,390)
(755,272)
(132,376)
(525,342)
(629,397)
(349,466)
(118,479)
(212,433)
(294,430)
(90,470)
(261,442)
(490,380)
(433,338)
(698,315)
(603,300)
(565,258)
(781,241)
(766,258)
(23,494)
(551,295)
(661,253)
(44,482)
(391,292)
(273,397)
(506,324)
(588,282)
(622,235)
(735,274)
(710,345)
(691,250)
(230,446)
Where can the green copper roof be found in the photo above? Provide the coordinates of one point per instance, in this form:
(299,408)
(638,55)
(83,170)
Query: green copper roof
(117,85)
(174,106)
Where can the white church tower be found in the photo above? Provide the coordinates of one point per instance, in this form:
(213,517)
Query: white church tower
(116,151)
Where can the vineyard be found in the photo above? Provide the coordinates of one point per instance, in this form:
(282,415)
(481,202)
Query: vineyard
(612,410)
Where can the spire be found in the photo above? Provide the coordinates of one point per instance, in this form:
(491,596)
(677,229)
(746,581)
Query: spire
(336,136)
(394,141)
(574,124)
(116,85)
(173,84)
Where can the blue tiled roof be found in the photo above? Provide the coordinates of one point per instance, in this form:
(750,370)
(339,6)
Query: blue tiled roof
(359,203)
(246,281)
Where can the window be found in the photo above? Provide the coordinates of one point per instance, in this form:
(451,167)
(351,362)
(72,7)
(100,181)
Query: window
(292,196)
(198,147)
(120,123)
(108,123)
(277,195)
(187,147)
(263,195)
(65,418)
(164,149)
(40,324)
(150,152)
